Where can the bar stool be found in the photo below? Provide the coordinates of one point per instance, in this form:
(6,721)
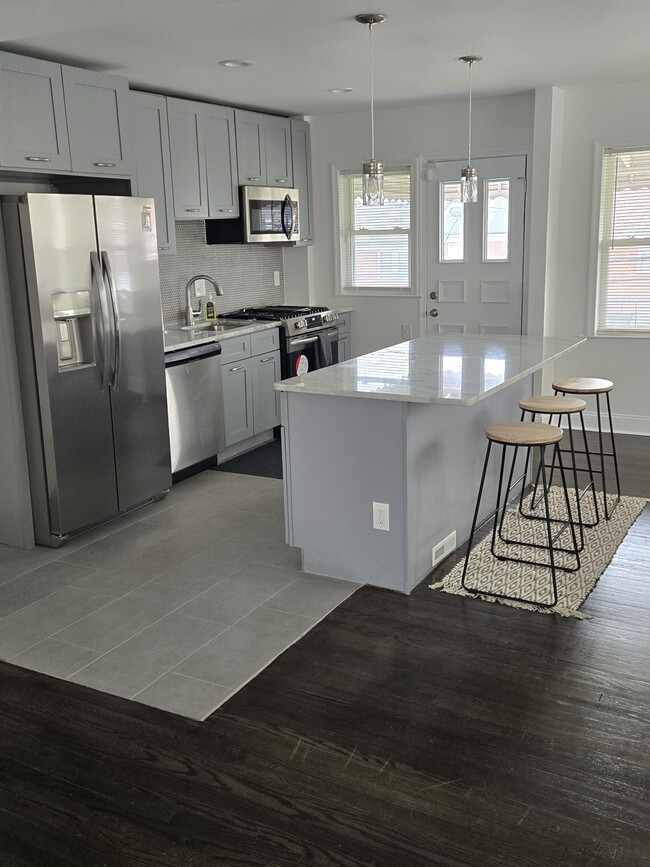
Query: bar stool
(551,405)
(528,435)
(583,385)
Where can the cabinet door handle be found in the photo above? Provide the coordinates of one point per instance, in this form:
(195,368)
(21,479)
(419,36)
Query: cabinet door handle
(265,360)
(105,165)
(193,210)
(233,369)
(281,180)
(39,159)
(164,247)
(225,210)
(255,179)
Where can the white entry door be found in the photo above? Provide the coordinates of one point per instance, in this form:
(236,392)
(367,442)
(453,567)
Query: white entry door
(475,252)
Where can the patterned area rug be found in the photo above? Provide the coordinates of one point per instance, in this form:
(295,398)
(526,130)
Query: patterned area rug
(534,582)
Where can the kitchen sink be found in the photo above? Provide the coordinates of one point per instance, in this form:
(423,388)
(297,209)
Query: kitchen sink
(216,326)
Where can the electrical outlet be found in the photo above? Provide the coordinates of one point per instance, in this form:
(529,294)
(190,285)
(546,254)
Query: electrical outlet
(276,278)
(407,331)
(200,288)
(380,520)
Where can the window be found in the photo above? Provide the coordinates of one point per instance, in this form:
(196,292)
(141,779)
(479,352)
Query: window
(623,273)
(375,241)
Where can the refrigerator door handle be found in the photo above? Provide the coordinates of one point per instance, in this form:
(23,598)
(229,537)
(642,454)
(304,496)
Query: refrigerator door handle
(100,293)
(117,346)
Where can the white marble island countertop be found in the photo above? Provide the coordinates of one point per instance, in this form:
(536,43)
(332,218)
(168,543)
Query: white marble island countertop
(448,369)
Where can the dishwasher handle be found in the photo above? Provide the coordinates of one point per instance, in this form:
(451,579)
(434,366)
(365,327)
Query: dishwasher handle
(192,353)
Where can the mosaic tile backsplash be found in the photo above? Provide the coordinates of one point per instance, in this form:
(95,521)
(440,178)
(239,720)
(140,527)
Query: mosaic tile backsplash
(244,272)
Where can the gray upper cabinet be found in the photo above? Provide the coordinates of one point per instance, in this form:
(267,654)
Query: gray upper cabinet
(97,109)
(203,159)
(152,162)
(218,127)
(263,149)
(33,131)
(301,149)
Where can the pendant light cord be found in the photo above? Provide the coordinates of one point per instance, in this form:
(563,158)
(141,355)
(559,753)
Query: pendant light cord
(469,125)
(372,101)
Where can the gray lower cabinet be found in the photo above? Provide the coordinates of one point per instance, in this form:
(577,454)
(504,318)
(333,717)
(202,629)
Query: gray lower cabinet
(301,150)
(237,385)
(33,131)
(97,110)
(344,324)
(266,400)
(203,159)
(249,367)
(152,162)
(263,149)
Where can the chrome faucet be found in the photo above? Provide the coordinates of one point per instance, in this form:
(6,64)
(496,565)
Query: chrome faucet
(190,312)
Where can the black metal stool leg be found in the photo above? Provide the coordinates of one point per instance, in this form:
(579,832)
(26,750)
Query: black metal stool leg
(613,442)
(475,519)
(592,481)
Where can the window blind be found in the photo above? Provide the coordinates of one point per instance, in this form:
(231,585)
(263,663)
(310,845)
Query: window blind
(623,281)
(375,241)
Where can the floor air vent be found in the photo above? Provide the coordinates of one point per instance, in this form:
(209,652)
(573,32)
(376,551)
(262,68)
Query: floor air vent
(443,549)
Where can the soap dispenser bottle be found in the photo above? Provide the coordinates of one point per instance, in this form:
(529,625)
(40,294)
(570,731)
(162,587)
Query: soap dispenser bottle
(209,310)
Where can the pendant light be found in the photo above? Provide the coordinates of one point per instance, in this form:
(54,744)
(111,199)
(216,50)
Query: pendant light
(468,176)
(373,170)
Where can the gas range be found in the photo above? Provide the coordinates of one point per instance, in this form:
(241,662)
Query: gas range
(293,320)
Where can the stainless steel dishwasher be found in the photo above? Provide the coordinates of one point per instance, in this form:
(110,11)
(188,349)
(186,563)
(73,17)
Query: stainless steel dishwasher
(194,404)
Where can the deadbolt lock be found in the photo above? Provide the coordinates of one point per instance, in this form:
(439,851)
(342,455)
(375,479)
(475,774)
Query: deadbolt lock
(433,296)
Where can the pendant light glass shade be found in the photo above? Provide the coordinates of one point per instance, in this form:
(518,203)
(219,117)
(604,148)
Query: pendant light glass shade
(373,170)
(468,176)
(468,185)
(373,183)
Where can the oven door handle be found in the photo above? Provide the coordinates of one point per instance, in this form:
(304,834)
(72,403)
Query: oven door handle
(302,341)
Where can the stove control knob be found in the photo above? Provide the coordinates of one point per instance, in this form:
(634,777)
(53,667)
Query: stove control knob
(301,323)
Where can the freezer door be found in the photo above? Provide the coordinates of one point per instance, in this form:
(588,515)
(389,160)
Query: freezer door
(128,249)
(67,416)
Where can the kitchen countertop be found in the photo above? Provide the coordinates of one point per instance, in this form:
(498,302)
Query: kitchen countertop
(446,369)
(177,338)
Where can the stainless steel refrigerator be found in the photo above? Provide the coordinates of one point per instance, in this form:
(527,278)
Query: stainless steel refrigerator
(86,303)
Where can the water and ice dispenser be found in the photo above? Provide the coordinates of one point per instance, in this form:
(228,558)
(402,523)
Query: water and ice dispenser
(73,327)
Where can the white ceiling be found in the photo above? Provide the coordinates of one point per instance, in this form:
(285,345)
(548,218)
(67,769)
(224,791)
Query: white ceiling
(302,48)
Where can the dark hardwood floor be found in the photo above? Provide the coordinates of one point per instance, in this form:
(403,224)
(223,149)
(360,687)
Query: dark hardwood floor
(421,730)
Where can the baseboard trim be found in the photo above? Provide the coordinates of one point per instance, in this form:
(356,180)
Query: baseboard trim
(638,425)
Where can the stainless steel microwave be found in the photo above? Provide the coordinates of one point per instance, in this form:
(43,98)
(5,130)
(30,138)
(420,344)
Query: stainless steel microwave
(268,215)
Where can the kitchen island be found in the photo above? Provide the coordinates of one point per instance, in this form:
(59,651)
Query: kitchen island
(405,427)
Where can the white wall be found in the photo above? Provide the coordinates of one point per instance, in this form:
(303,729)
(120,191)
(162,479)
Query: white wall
(610,114)
(438,131)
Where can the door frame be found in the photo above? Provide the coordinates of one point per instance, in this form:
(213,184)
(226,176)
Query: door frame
(423,161)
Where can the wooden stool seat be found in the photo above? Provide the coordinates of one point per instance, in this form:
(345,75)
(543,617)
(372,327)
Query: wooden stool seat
(583,385)
(524,433)
(549,404)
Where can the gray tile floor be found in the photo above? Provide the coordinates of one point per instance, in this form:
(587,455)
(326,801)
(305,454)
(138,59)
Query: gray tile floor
(177,605)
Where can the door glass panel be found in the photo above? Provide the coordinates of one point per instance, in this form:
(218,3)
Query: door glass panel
(496,220)
(452,223)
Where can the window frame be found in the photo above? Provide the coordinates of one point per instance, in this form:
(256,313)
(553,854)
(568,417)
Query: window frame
(407,165)
(600,147)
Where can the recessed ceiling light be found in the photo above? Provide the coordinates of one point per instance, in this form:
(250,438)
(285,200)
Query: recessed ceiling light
(235,64)
(341,90)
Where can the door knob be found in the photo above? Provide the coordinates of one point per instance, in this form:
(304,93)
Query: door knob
(433,296)
(433,312)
